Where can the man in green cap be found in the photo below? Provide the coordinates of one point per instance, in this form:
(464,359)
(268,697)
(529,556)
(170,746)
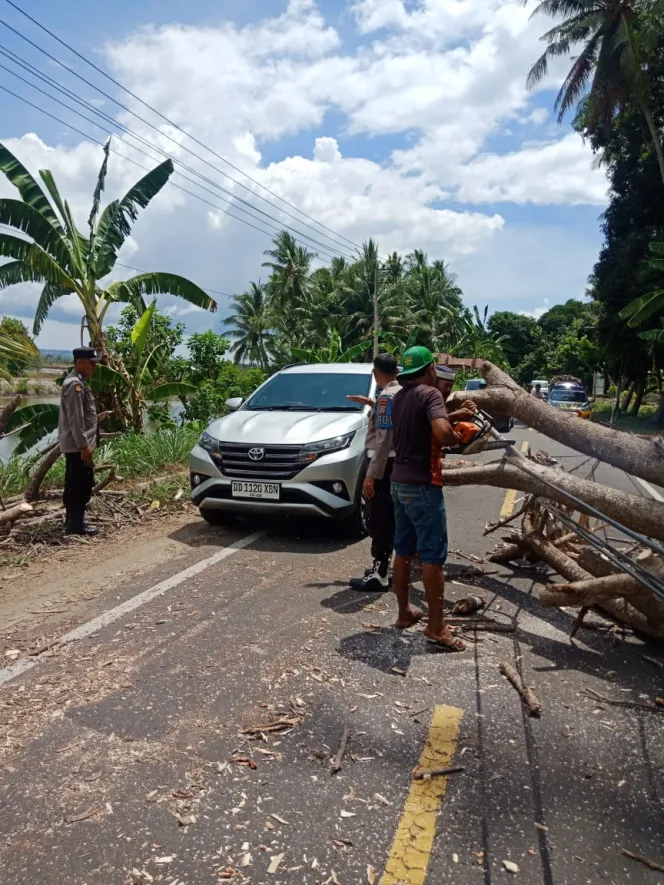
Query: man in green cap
(420,426)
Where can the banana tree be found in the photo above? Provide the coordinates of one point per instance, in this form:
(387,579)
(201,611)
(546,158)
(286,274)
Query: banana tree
(30,424)
(46,247)
(142,391)
(641,309)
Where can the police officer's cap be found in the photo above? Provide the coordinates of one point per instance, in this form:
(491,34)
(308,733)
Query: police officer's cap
(86,353)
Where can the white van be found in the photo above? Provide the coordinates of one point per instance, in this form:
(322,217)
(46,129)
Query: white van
(544,386)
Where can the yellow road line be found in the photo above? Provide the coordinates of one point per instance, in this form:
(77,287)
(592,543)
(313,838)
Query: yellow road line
(411,849)
(508,504)
(510,495)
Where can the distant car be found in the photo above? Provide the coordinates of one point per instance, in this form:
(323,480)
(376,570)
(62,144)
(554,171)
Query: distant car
(503,423)
(569,385)
(544,388)
(571,398)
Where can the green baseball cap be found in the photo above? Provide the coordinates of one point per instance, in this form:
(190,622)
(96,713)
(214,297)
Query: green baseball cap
(414,360)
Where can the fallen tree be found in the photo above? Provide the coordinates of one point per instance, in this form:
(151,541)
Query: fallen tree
(637,455)
(562,536)
(515,471)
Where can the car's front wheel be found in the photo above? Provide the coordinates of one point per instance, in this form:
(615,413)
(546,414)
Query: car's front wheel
(353,524)
(217,517)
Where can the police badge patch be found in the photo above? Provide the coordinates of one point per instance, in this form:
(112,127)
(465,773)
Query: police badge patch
(384,413)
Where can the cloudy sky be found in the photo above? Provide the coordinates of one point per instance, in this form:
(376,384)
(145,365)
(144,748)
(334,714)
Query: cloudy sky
(403,120)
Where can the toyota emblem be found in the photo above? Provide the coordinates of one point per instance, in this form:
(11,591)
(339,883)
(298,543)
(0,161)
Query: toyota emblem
(257,454)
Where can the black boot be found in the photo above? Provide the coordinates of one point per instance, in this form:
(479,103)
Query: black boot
(75,524)
(374,580)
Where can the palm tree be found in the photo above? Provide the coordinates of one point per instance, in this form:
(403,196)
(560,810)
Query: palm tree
(48,248)
(361,285)
(435,300)
(290,265)
(476,340)
(16,351)
(611,67)
(252,327)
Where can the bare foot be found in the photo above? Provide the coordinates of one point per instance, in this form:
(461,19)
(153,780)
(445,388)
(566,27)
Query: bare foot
(414,615)
(445,639)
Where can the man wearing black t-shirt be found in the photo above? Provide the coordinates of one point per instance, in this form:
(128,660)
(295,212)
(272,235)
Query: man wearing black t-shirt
(420,428)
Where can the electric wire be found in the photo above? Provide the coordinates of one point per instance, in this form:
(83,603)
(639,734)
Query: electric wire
(617,557)
(170,122)
(185,190)
(278,226)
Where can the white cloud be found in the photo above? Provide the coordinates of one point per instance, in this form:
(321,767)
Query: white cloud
(56,335)
(546,173)
(445,76)
(536,313)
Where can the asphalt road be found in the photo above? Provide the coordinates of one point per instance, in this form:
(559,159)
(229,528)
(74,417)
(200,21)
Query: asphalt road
(127,749)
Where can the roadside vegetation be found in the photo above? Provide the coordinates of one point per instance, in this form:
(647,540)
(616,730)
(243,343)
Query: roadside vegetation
(135,456)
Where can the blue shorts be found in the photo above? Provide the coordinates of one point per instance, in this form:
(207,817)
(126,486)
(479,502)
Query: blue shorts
(421,522)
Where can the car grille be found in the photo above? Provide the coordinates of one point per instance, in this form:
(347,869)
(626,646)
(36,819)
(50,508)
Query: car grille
(279,462)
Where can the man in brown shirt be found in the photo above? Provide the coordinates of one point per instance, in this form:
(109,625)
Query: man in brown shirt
(420,428)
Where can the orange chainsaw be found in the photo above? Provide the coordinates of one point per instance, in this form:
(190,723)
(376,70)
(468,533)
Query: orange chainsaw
(478,434)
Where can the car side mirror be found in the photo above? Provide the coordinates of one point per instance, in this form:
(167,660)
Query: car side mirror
(234,403)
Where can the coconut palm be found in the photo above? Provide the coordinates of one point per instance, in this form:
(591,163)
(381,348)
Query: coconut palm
(252,327)
(611,66)
(435,300)
(290,265)
(475,339)
(16,350)
(46,246)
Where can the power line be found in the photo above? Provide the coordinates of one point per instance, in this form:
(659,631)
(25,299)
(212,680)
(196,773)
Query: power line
(324,248)
(170,122)
(136,163)
(204,288)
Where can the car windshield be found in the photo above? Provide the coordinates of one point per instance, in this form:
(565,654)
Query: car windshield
(568,396)
(311,392)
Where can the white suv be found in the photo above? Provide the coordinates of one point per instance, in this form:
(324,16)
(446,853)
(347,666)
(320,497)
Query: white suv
(296,446)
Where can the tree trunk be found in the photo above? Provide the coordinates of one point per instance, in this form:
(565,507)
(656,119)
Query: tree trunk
(636,455)
(658,417)
(640,390)
(7,412)
(620,608)
(616,403)
(655,137)
(637,513)
(628,397)
(19,511)
(37,478)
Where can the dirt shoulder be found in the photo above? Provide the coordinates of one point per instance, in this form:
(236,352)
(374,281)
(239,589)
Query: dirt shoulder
(48,589)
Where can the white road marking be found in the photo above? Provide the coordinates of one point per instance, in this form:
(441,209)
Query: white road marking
(129,605)
(653,492)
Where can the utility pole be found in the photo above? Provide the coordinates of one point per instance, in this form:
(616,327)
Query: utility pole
(376,319)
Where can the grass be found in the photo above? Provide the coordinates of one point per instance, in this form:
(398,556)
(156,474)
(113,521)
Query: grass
(135,456)
(641,423)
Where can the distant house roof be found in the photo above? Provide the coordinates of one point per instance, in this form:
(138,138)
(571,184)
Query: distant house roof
(458,362)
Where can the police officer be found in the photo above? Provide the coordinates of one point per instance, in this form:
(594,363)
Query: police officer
(77,435)
(379,509)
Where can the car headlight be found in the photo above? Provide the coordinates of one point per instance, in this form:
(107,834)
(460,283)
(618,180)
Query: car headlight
(209,443)
(314,450)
